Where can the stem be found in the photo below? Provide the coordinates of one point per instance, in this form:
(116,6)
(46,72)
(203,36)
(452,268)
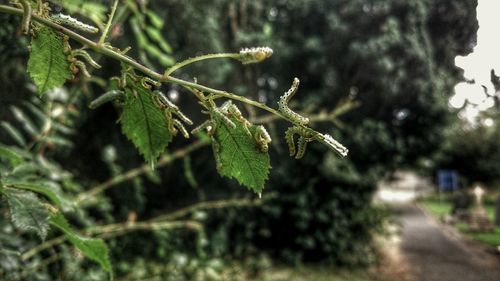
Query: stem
(136,65)
(162,221)
(117,229)
(45,245)
(200,58)
(110,52)
(219,93)
(219,204)
(130,174)
(108,24)
(86,42)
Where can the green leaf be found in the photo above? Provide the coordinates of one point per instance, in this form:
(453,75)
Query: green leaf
(47,65)
(156,35)
(14,133)
(11,154)
(51,190)
(92,248)
(144,124)
(240,157)
(155,19)
(27,211)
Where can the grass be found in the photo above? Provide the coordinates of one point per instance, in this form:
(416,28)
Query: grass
(490,238)
(439,208)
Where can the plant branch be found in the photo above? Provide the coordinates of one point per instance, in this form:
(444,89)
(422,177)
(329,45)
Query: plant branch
(116,54)
(130,174)
(199,58)
(166,221)
(219,204)
(108,24)
(45,245)
(117,229)
(107,51)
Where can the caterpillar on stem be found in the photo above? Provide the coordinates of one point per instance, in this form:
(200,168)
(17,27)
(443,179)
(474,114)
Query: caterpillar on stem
(255,55)
(26,16)
(107,97)
(205,125)
(285,110)
(74,23)
(82,68)
(83,54)
(304,137)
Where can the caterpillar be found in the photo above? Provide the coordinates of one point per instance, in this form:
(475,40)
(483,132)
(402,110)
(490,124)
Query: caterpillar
(183,117)
(146,82)
(234,111)
(74,23)
(262,138)
(87,57)
(26,16)
(283,105)
(304,138)
(106,97)
(82,68)
(255,55)
(335,145)
(290,132)
(302,145)
(177,124)
(205,125)
(169,109)
(218,115)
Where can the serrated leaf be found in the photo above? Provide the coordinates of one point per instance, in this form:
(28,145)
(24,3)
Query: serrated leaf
(27,211)
(47,65)
(92,248)
(240,157)
(51,190)
(144,124)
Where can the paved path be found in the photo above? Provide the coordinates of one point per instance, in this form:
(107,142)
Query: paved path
(435,256)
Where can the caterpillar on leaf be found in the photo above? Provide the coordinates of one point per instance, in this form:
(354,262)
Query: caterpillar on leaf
(169,110)
(262,138)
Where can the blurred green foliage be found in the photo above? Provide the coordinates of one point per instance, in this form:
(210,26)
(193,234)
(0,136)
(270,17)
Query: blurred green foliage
(394,57)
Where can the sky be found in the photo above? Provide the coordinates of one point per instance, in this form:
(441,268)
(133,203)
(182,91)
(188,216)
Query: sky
(478,64)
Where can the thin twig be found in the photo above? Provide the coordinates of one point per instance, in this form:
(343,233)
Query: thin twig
(200,58)
(45,245)
(130,174)
(161,222)
(108,24)
(219,204)
(113,230)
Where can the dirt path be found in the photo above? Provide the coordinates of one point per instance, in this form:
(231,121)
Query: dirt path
(435,256)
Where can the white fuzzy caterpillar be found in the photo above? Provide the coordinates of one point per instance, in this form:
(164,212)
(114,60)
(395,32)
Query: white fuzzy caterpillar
(283,105)
(335,145)
(262,138)
(255,55)
(72,22)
